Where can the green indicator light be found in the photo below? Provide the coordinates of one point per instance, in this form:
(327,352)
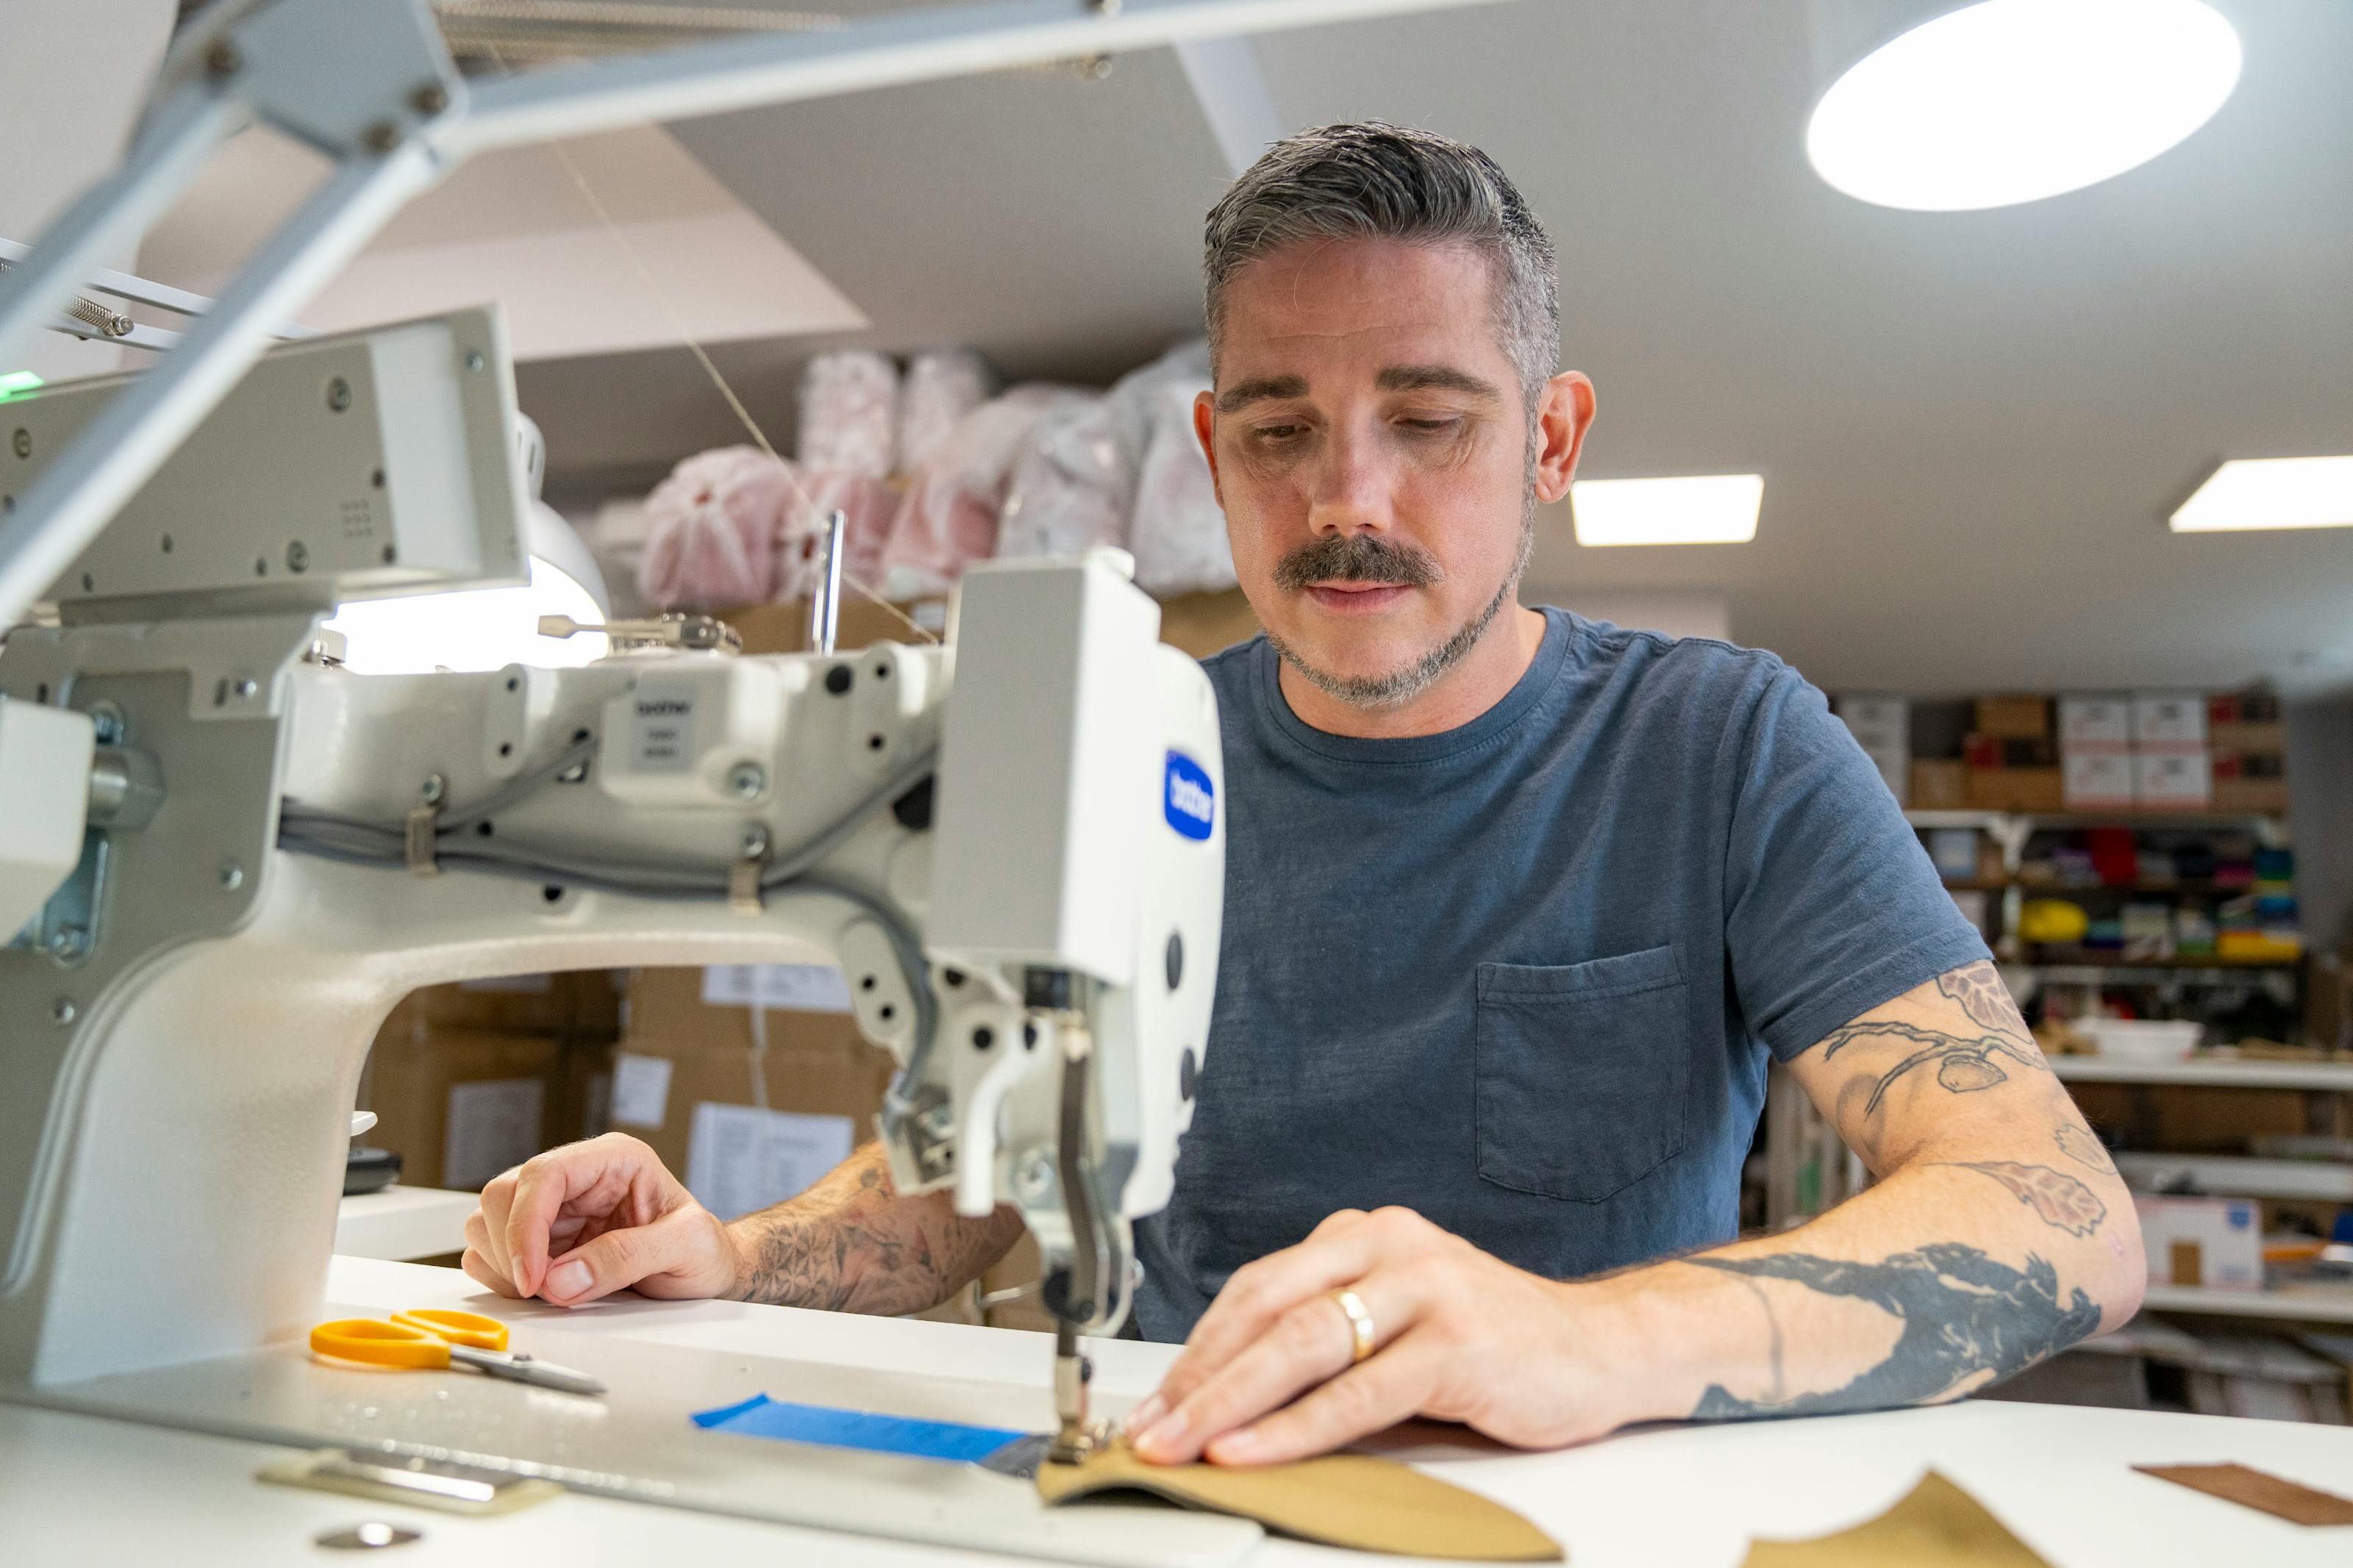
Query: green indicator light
(16,381)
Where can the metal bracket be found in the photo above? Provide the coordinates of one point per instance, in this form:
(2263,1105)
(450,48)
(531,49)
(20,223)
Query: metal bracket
(425,826)
(751,863)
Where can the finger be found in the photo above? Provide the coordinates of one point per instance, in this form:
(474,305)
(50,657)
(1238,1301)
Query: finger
(497,1202)
(598,1175)
(481,1268)
(1260,1293)
(1309,1343)
(1370,1397)
(619,1258)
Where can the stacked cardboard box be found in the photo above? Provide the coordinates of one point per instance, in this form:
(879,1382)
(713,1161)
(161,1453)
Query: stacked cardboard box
(468,1079)
(2096,752)
(2248,741)
(2170,768)
(1881,726)
(2012,764)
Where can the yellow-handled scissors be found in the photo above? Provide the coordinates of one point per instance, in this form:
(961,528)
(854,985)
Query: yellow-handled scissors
(429,1337)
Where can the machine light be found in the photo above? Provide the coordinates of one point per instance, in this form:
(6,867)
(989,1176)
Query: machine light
(2270,493)
(2013,100)
(1707,508)
(486,628)
(16,381)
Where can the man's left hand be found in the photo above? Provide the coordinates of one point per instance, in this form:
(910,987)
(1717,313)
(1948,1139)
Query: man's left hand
(1459,1335)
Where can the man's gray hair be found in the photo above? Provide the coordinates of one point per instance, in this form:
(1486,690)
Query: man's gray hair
(1373,180)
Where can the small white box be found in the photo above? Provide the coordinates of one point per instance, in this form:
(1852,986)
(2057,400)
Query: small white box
(1878,724)
(2096,779)
(2172,779)
(2094,722)
(2168,718)
(2211,1242)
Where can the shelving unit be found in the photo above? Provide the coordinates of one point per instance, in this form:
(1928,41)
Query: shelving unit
(2219,1072)
(2236,1176)
(2300,1303)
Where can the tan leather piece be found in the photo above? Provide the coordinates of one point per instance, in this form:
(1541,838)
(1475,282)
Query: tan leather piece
(1340,1499)
(1937,1526)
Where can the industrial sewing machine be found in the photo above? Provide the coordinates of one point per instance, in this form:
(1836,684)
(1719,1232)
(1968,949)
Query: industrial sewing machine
(229,855)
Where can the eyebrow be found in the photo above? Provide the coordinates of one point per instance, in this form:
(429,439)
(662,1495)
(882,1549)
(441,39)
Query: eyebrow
(1242,393)
(1427,377)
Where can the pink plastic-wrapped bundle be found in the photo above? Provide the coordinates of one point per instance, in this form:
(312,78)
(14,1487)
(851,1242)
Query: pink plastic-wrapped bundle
(1068,490)
(1178,533)
(949,517)
(866,504)
(941,388)
(850,412)
(711,531)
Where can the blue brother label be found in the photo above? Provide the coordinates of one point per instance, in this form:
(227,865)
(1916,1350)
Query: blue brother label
(1190,800)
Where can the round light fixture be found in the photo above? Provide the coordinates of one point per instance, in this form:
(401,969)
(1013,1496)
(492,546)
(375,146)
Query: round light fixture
(2013,100)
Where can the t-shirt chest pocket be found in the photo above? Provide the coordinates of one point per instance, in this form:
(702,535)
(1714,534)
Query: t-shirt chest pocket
(1582,1072)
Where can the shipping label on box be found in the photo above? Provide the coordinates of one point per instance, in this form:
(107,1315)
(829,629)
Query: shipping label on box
(2094,722)
(2178,779)
(2169,718)
(640,1089)
(739,1158)
(2097,781)
(793,988)
(493,1125)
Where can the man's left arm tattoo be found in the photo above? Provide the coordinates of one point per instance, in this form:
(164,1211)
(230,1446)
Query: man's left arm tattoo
(1968,1321)
(1964,1064)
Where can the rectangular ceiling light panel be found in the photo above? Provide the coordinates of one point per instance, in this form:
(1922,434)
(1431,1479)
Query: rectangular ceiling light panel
(2272,492)
(1706,508)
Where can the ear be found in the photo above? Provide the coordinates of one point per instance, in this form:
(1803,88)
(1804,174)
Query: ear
(1564,414)
(1205,425)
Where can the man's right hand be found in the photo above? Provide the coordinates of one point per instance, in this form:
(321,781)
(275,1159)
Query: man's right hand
(587,1219)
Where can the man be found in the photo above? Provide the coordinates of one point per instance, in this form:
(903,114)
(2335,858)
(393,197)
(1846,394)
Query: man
(1518,905)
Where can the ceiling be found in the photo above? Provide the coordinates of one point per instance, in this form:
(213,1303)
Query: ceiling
(1971,425)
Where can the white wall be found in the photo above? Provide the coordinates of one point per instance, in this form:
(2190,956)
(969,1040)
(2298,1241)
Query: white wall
(73,75)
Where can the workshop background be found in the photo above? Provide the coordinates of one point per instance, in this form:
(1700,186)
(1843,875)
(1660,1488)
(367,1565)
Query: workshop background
(965,316)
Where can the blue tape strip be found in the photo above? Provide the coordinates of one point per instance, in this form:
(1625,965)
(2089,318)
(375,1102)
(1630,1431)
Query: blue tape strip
(761,1416)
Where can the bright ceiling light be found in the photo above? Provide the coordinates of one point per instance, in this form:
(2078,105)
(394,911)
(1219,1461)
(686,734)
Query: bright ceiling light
(2272,492)
(1709,509)
(2013,100)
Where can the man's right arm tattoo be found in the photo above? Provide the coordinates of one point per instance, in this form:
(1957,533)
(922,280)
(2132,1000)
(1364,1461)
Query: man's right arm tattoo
(852,1244)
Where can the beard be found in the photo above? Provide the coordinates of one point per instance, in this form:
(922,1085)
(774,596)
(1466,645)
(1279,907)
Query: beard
(1367,558)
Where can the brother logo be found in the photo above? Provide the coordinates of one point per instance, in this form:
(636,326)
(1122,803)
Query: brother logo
(662,707)
(1192,801)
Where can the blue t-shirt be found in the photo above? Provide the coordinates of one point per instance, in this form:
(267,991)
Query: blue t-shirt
(1521,976)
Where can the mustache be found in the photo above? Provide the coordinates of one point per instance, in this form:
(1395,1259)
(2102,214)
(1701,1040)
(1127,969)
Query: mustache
(1356,558)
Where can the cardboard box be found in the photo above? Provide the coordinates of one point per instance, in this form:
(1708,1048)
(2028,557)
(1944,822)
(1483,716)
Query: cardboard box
(460,1105)
(2094,722)
(2216,1243)
(688,1079)
(583,1104)
(1877,724)
(2269,737)
(584,1001)
(2173,780)
(2024,717)
(2016,789)
(2264,796)
(1939,786)
(2096,779)
(2168,718)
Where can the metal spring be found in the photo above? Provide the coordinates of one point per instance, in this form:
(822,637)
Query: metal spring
(90,313)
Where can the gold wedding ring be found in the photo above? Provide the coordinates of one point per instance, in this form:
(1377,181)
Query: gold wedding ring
(1360,1323)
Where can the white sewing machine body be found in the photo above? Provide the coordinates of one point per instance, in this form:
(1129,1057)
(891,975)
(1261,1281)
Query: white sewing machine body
(185,1044)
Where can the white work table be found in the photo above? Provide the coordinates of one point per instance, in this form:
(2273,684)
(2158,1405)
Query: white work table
(400,1222)
(77,1488)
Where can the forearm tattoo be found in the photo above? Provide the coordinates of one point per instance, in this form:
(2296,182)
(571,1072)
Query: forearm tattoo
(2057,1199)
(1978,989)
(852,1244)
(1968,1321)
(2082,1147)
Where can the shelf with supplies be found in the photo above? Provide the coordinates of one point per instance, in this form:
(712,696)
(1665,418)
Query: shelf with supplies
(2211,1071)
(2299,1303)
(2238,1176)
(2227,970)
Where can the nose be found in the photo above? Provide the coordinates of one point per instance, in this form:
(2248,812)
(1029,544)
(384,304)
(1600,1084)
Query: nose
(1351,487)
